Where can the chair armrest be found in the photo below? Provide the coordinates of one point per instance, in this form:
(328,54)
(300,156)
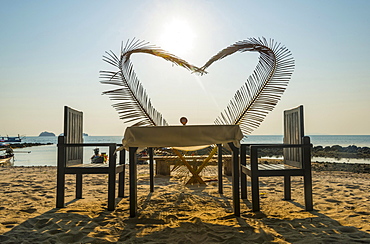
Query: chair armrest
(278,145)
(89,144)
(111,154)
(254,150)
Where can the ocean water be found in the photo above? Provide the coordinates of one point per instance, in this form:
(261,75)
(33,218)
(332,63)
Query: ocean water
(47,155)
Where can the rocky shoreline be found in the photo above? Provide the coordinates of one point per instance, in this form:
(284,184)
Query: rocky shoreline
(346,167)
(328,166)
(335,151)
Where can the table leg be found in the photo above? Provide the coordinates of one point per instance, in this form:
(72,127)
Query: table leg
(219,164)
(151,169)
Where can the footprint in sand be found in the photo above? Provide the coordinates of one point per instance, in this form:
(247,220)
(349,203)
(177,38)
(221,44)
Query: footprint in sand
(28,210)
(9,224)
(353,186)
(333,200)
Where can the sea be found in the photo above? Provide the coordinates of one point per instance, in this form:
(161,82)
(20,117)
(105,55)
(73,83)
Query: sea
(46,155)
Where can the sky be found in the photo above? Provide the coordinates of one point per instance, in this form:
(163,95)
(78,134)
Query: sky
(51,54)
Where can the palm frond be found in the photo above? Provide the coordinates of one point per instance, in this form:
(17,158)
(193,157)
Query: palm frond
(133,103)
(263,89)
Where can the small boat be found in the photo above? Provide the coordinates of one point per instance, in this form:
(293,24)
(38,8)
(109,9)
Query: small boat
(10,139)
(6,160)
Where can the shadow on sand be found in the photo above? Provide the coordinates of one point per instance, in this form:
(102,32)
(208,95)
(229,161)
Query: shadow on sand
(178,214)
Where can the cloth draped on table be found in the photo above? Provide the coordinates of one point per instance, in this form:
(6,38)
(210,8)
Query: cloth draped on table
(187,138)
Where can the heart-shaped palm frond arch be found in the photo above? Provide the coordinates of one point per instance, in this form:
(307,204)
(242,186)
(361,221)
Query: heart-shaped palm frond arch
(263,89)
(249,106)
(133,103)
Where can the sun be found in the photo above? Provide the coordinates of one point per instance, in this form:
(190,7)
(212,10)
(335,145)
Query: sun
(177,37)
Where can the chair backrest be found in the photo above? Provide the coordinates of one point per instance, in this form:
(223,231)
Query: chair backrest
(293,134)
(73,133)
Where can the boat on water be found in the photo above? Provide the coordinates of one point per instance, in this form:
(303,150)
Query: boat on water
(10,139)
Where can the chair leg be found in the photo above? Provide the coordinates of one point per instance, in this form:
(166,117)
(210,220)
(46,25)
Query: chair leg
(121,183)
(60,190)
(255,193)
(235,180)
(78,186)
(111,190)
(133,181)
(243,176)
(287,188)
(112,178)
(244,186)
(254,179)
(121,175)
(308,191)
(307,178)
(60,172)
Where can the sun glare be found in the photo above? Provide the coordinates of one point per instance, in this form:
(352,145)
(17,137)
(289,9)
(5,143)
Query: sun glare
(177,37)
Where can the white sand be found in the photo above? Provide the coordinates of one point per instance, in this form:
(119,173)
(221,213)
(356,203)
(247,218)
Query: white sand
(176,213)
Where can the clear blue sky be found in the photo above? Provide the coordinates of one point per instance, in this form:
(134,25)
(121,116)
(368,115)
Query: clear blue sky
(51,54)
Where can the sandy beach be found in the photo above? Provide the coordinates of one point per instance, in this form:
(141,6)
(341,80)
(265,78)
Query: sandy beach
(176,213)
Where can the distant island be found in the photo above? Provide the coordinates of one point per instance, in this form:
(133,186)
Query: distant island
(84,134)
(45,133)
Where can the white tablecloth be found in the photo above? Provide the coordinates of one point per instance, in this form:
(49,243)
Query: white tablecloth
(181,136)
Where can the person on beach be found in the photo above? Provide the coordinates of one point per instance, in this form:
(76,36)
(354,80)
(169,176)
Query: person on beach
(97,158)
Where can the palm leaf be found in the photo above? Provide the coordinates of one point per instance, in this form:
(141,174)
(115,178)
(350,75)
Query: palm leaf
(133,103)
(263,89)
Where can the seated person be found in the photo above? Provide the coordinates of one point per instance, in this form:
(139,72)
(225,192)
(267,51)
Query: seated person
(97,158)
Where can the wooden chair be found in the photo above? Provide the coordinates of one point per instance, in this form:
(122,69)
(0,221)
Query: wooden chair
(297,161)
(70,160)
